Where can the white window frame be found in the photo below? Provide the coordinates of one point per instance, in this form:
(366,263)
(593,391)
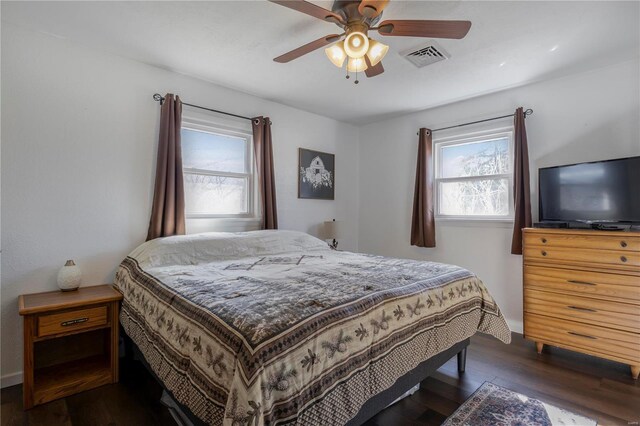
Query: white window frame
(237,132)
(440,143)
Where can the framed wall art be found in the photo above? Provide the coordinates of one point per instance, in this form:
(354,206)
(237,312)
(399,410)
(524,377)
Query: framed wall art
(316,175)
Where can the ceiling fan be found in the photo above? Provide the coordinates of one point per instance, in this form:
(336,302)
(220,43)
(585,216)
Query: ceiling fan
(357,18)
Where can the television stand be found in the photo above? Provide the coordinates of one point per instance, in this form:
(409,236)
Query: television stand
(582,292)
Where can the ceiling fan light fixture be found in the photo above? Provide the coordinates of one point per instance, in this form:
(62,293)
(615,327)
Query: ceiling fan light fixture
(356,65)
(376,52)
(336,54)
(356,44)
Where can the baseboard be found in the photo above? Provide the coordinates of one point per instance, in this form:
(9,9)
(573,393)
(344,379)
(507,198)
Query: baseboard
(11,379)
(515,325)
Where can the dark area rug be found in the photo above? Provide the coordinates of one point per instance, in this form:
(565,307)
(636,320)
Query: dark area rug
(496,406)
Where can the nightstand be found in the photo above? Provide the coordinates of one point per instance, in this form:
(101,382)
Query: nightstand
(70,342)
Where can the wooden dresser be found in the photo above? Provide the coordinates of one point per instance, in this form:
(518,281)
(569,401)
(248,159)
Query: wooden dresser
(582,292)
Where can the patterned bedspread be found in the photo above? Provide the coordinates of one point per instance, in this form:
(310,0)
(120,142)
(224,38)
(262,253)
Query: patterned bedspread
(272,327)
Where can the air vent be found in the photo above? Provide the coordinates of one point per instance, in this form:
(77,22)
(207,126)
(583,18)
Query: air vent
(425,55)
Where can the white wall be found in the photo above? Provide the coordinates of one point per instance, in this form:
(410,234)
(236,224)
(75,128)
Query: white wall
(79,130)
(584,117)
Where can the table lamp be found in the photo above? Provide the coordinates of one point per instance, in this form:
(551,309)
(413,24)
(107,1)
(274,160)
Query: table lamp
(332,232)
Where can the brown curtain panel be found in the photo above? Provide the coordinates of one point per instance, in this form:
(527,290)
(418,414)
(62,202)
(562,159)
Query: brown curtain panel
(263,149)
(167,212)
(521,190)
(423,229)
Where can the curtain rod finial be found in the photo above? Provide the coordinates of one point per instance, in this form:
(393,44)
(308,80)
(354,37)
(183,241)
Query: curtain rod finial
(528,112)
(158,98)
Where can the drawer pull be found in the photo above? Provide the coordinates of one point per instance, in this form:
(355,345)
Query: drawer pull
(544,240)
(578,308)
(580,282)
(623,258)
(544,253)
(623,243)
(74,321)
(582,335)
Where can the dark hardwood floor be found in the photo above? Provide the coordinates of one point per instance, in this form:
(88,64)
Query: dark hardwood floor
(589,386)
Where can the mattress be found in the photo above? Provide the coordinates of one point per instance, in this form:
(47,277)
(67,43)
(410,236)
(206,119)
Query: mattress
(273,327)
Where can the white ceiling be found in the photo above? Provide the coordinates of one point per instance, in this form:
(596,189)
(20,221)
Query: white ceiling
(232,43)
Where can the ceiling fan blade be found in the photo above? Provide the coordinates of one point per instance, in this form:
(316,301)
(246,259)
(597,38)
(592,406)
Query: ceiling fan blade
(372,8)
(434,29)
(309,47)
(311,9)
(372,71)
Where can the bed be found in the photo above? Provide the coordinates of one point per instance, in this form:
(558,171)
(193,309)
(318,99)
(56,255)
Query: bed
(273,327)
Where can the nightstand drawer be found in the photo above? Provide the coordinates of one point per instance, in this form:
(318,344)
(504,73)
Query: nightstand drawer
(77,319)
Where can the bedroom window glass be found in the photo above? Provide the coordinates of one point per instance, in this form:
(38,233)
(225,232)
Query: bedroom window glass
(218,172)
(473,176)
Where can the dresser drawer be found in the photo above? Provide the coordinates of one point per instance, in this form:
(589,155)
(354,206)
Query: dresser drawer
(608,258)
(67,321)
(604,313)
(625,242)
(582,283)
(614,344)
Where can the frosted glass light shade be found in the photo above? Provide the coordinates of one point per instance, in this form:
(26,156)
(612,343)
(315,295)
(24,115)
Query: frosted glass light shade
(336,54)
(356,65)
(376,52)
(356,44)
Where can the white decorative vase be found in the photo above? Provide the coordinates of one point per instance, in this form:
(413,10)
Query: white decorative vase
(69,276)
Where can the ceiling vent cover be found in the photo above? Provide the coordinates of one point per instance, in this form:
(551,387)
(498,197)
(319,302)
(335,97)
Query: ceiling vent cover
(425,55)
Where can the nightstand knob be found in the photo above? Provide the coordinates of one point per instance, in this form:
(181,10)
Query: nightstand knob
(623,243)
(544,253)
(623,258)
(544,240)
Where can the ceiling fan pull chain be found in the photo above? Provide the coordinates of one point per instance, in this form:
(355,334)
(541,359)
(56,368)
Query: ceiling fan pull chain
(356,82)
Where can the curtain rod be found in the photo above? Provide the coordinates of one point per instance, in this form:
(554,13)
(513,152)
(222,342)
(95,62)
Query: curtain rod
(527,113)
(158,98)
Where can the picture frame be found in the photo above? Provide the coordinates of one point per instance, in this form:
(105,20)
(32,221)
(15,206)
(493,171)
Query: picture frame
(316,174)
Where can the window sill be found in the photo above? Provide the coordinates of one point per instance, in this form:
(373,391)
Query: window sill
(196,224)
(475,223)
(225,218)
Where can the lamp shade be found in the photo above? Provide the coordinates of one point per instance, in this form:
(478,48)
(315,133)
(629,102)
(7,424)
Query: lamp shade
(331,229)
(376,52)
(356,65)
(336,54)
(356,44)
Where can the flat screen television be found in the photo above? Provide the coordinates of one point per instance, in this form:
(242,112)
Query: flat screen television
(596,192)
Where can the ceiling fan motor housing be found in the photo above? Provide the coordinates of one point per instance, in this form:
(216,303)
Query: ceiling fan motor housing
(348,9)
(356,27)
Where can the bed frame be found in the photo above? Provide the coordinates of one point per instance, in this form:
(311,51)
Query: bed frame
(403,387)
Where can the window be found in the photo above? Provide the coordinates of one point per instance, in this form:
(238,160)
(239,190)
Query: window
(218,171)
(473,176)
